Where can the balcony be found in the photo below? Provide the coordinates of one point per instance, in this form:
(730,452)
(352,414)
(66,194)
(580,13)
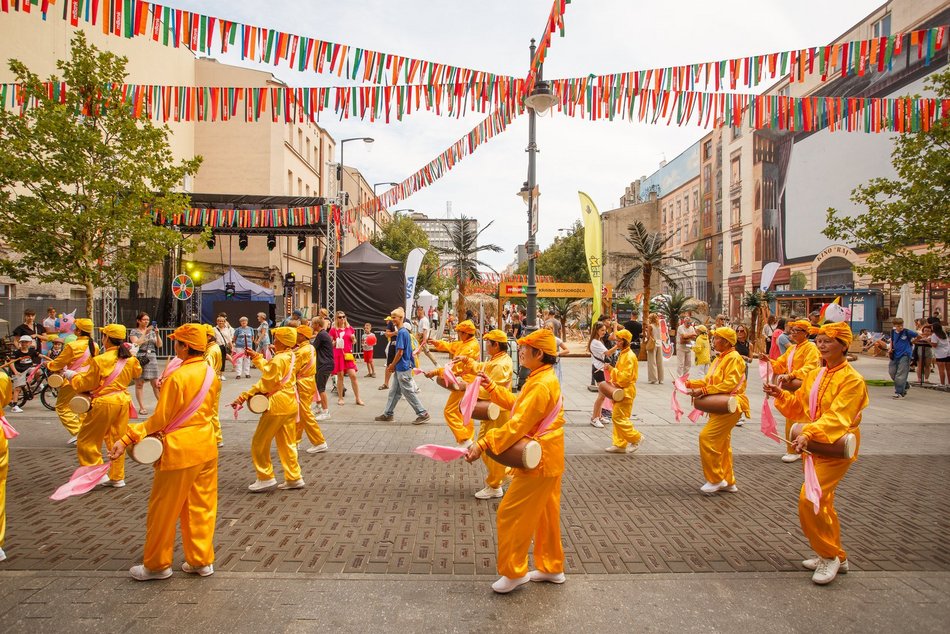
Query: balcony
(735,187)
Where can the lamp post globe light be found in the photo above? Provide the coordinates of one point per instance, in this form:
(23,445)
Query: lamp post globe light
(376,206)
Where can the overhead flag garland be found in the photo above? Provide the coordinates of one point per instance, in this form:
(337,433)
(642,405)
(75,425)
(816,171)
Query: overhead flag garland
(285,217)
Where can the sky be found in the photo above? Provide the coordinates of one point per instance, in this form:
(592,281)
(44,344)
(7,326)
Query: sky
(601,36)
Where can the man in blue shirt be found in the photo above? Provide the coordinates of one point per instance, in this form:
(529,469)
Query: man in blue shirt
(902,349)
(401,369)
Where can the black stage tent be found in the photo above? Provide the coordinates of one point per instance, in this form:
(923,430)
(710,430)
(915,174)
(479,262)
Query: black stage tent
(370,285)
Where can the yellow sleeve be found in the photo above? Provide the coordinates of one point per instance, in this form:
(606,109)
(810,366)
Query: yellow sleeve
(92,378)
(171,400)
(6,390)
(727,377)
(271,373)
(780,365)
(848,396)
(810,360)
(502,397)
(441,346)
(626,371)
(65,358)
(794,405)
(533,406)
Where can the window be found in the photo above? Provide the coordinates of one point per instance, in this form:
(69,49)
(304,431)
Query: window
(77,293)
(299,186)
(707,213)
(735,172)
(707,178)
(707,150)
(308,190)
(695,199)
(736,133)
(737,255)
(6,291)
(290,183)
(882,28)
(306,156)
(735,217)
(299,140)
(709,251)
(719,219)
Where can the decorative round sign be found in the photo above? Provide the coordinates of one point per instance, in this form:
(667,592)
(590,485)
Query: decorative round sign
(182,287)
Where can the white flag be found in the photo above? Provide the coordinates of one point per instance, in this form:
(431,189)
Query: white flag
(413,262)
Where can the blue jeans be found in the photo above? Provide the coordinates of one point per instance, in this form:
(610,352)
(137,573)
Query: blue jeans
(402,386)
(898,369)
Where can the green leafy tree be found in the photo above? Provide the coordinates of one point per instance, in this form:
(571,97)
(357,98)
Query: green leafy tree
(80,176)
(798,281)
(401,235)
(648,259)
(463,256)
(565,260)
(674,306)
(908,211)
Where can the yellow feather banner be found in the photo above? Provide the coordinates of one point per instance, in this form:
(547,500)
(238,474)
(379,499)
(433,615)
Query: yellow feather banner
(593,248)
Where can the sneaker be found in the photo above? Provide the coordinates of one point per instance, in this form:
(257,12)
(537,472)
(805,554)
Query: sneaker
(490,492)
(607,420)
(709,487)
(631,448)
(115,484)
(812,564)
(730,488)
(292,484)
(596,422)
(896,396)
(791,457)
(262,485)
(550,577)
(141,573)
(3,555)
(16,409)
(592,388)
(422,418)
(740,423)
(220,443)
(615,449)
(384,418)
(223,378)
(323,416)
(318,448)
(652,382)
(826,571)
(465,444)
(236,377)
(203,571)
(505,585)
(72,440)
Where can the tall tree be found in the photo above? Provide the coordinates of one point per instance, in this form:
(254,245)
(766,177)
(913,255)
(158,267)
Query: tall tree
(401,235)
(80,176)
(908,211)
(675,305)
(463,256)
(648,259)
(565,259)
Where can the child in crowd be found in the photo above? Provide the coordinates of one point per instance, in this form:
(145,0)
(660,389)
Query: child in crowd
(27,357)
(369,341)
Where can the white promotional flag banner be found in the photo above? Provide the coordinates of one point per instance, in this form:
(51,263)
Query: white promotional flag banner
(413,262)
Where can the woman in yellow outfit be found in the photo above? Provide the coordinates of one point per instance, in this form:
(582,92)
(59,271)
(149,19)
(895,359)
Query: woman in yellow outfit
(6,395)
(841,395)
(499,369)
(701,349)
(626,437)
(306,372)
(279,422)
(185,485)
(532,506)
(725,376)
(108,419)
(214,358)
(75,357)
(466,346)
(795,363)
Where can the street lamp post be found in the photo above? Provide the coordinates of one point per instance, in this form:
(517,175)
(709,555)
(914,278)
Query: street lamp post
(376,206)
(335,242)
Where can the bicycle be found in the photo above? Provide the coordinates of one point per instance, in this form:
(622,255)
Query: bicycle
(38,386)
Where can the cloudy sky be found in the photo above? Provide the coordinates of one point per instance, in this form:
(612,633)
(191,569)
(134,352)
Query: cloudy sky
(602,36)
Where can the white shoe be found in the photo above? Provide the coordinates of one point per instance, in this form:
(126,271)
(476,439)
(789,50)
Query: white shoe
(141,573)
(16,409)
(607,420)
(633,447)
(812,564)
(323,416)
(504,585)
(204,571)
(221,444)
(596,422)
(318,448)
(262,485)
(292,484)
(223,378)
(115,484)
(72,440)
(3,555)
(709,487)
(537,575)
(730,488)
(490,492)
(465,444)
(791,457)
(826,571)
(615,449)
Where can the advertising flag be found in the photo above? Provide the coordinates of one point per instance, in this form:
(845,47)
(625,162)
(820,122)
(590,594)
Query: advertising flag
(593,248)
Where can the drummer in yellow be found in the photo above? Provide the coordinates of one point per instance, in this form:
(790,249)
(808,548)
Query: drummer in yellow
(532,507)
(725,376)
(213,357)
(306,372)
(626,437)
(466,346)
(840,396)
(499,369)
(279,422)
(6,395)
(108,418)
(795,363)
(74,357)
(185,484)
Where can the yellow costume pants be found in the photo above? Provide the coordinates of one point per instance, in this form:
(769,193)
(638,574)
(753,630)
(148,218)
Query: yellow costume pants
(216,424)
(715,447)
(189,495)
(530,509)
(453,417)
(306,420)
(282,428)
(4,467)
(106,422)
(496,470)
(70,419)
(822,530)
(624,432)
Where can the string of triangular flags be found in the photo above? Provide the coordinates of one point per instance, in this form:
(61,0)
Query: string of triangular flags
(288,217)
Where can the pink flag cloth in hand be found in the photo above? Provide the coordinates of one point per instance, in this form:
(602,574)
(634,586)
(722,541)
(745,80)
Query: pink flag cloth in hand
(83,480)
(8,431)
(133,413)
(468,401)
(236,409)
(812,486)
(441,452)
(680,384)
(675,405)
(449,376)
(237,356)
(768,426)
(765,371)
(695,415)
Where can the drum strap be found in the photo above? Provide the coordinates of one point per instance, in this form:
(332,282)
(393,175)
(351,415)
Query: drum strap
(119,366)
(195,403)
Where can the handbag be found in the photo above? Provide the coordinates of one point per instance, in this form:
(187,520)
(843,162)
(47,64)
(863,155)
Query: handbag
(650,345)
(143,359)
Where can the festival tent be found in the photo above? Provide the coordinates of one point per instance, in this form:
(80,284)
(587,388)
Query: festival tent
(370,285)
(427,300)
(244,291)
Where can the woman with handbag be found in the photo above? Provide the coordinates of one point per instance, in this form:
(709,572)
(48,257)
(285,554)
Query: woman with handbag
(146,342)
(344,362)
(654,350)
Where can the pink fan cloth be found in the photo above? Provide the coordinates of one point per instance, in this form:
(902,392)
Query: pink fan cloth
(768,426)
(32,374)
(812,486)
(765,370)
(680,384)
(675,406)
(237,356)
(695,415)
(236,409)
(83,480)
(268,355)
(449,376)
(133,413)
(418,371)
(468,401)
(440,452)
(8,431)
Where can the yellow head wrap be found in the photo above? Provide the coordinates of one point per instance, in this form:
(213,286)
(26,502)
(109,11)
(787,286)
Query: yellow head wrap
(497,336)
(836,330)
(305,330)
(85,325)
(192,335)
(542,339)
(114,331)
(725,333)
(625,335)
(209,331)
(801,324)
(466,326)
(286,335)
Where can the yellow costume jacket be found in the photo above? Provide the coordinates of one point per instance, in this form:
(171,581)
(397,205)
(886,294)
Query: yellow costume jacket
(724,377)
(805,358)
(842,395)
(72,351)
(99,370)
(283,398)
(625,373)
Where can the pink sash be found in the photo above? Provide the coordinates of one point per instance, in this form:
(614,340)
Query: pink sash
(813,395)
(768,425)
(791,356)
(77,364)
(313,362)
(286,378)
(119,366)
(195,403)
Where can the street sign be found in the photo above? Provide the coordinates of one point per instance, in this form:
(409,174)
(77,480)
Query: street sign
(182,287)
(549,289)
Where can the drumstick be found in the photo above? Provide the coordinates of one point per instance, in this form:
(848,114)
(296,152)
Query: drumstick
(787,441)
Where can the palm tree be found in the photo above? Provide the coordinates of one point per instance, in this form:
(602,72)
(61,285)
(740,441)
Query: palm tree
(674,305)
(648,260)
(464,256)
